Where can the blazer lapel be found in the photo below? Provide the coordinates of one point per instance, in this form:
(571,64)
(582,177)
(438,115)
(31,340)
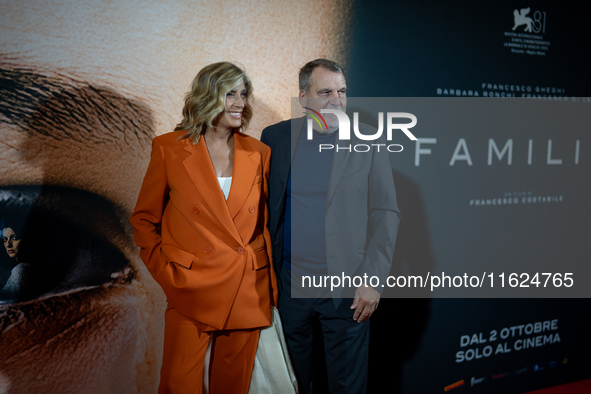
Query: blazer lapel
(201,171)
(284,153)
(296,129)
(243,173)
(338,164)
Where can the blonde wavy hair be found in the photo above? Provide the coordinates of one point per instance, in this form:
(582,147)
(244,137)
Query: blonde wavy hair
(207,98)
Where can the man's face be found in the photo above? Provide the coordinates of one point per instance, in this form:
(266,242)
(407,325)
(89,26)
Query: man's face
(328,90)
(85,86)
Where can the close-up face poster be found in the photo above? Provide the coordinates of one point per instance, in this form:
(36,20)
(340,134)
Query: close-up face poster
(493,188)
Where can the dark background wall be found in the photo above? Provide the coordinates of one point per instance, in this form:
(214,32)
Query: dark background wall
(426,49)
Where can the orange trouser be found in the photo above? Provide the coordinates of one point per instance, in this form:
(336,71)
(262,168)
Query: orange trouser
(185,344)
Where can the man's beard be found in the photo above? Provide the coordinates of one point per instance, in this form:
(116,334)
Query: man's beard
(331,119)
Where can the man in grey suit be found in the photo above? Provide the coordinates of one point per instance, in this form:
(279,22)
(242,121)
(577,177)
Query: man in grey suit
(333,213)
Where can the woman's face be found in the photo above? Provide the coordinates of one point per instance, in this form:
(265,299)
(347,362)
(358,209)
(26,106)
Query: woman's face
(11,242)
(235,102)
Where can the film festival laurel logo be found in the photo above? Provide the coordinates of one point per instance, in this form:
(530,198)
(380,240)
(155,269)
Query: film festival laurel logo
(344,130)
(535,25)
(526,34)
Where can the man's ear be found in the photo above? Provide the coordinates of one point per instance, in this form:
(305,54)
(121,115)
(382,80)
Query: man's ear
(303,98)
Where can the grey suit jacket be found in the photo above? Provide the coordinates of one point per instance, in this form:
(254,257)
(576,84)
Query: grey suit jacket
(362,215)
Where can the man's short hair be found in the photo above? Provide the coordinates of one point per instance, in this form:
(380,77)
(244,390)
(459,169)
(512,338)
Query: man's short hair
(306,71)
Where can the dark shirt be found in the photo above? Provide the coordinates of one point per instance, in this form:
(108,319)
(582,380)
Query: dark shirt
(304,243)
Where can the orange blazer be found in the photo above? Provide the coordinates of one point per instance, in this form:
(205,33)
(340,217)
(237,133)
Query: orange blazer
(211,256)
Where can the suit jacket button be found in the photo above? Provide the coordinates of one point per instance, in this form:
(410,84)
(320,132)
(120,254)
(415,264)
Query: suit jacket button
(207,250)
(195,210)
(240,250)
(251,209)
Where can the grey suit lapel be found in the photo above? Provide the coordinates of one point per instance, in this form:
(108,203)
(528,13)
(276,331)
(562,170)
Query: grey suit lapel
(338,164)
(296,127)
(292,134)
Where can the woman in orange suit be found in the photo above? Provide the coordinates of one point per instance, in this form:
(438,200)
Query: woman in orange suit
(201,223)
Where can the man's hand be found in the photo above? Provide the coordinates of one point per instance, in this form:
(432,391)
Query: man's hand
(365,303)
